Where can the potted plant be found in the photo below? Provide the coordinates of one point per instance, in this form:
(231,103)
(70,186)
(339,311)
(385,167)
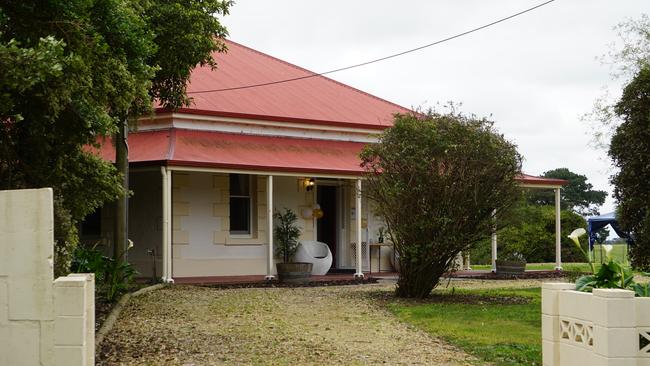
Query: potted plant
(512,264)
(286,234)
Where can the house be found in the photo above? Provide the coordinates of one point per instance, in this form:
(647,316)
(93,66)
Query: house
(207,178)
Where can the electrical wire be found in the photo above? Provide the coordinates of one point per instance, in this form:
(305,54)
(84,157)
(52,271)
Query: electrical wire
(377,59)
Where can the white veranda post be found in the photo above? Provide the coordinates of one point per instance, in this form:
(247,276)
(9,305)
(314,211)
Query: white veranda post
(167,225)
(558,231)
(494,241)
(359,270)
(269,216)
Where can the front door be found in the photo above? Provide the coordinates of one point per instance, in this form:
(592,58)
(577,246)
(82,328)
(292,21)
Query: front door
(326,231)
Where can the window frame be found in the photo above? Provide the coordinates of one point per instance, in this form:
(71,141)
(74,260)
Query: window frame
(242,234)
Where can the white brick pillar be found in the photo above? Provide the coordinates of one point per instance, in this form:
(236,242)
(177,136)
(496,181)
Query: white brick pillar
(616,339)
(74,324)
(551,322)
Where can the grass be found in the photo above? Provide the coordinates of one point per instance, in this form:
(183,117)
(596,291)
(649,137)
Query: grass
(503,334)
(541,266)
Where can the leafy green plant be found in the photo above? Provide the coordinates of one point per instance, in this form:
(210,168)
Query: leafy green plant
(610,275)
(436,180)
(113,277)
(118,277)
(642,289)
(287,234)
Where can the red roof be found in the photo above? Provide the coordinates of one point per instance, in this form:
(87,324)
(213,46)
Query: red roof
(317,100)
(180,147)
(532,180)
(194,148)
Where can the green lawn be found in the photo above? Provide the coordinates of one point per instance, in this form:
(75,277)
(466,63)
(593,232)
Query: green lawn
(503,334)
(539,266)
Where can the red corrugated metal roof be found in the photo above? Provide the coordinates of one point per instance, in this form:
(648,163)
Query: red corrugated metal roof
(317,100)
(530,179)
(180,147)
(194,148)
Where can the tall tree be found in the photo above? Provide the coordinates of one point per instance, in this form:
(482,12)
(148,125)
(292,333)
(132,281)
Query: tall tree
(630,152)
(626,57)
(578,195)
(76,70)
(437,180)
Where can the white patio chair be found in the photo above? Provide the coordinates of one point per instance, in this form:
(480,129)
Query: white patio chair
(317,253)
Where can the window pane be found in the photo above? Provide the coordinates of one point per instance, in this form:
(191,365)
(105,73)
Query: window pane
(240,215)
(239,185)
(92,224)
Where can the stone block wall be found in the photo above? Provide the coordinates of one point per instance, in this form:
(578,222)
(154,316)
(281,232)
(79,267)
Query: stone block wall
(42,322)
(606,327)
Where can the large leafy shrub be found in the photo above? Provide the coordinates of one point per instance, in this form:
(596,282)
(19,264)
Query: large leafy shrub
(437,180)
(630,150)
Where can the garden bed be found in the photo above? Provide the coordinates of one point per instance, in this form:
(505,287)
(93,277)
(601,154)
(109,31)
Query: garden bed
(274,284)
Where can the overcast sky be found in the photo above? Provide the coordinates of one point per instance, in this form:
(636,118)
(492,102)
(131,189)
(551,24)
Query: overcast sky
(535,75)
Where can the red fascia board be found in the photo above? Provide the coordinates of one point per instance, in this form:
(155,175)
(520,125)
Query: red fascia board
(527,179)
(272,118)
(194,164)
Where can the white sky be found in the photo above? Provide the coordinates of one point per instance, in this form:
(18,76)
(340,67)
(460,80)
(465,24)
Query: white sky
(535,75)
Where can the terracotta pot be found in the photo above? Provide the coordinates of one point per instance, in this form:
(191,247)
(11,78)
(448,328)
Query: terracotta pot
(294,272)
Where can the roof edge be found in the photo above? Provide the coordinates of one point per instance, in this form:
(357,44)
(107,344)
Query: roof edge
(272,118)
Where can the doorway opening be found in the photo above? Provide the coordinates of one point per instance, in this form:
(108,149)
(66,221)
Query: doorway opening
(326,226)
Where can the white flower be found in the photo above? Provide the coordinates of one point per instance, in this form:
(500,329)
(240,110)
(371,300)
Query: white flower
(608,249)
(575,234)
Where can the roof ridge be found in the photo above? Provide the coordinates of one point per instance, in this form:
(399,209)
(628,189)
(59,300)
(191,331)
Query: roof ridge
(317,74)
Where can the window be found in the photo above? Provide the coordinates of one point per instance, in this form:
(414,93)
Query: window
(240,204)
(91,226)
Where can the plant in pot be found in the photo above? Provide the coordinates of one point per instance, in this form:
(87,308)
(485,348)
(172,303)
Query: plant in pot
(286,235)
(512,264)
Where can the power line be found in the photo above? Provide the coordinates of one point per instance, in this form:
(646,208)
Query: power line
(377,59)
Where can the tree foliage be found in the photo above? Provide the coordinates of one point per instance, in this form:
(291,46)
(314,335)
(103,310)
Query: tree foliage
(630,152)
(530,231)
(436,180)
(578,195)
(72,71)
(626,58)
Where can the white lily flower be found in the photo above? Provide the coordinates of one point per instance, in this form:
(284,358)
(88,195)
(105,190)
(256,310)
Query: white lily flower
(577,233)
(608,249)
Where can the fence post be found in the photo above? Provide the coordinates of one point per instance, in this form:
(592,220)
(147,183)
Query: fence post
(615,335)
(551,322)
(73,330)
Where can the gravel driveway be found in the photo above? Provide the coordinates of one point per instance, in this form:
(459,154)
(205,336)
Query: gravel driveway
(189,325)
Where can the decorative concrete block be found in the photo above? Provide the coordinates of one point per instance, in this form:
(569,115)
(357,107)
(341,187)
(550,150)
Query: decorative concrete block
(550,353)
(70,355)
(551,328)
(574,355)
(598,360)
(549,294)
(576,304)
(616,342)
(613,312)
(47,341)
(68,300)
(69,331)
(4,301)
(642,311)
(22,342)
